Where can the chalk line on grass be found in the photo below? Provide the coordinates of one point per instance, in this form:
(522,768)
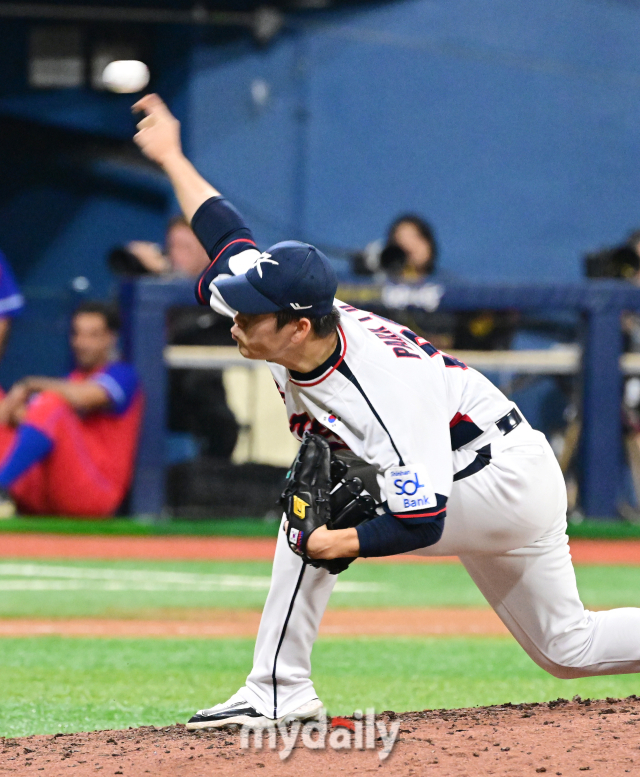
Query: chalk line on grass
(49,577)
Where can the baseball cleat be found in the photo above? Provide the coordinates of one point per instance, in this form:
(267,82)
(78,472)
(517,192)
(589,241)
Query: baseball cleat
(238,712)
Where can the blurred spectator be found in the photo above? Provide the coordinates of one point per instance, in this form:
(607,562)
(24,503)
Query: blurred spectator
(67,446)
(11,301)
(197,399)
(183,256)
(411,251)
(409,254)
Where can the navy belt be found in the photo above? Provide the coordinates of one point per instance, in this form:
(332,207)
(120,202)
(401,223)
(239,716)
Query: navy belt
(505,424)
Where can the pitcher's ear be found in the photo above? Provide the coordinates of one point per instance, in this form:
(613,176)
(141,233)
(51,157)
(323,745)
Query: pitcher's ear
(303,327)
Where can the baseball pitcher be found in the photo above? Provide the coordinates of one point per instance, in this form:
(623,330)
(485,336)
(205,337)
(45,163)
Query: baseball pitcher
(457,470)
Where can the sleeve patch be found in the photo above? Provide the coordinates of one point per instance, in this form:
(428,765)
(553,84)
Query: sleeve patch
(424,515)
(408,489)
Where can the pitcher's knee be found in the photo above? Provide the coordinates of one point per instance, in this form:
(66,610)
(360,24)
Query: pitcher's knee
(567,657)
(562,671)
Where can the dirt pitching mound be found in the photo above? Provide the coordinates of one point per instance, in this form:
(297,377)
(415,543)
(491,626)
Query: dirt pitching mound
(558,738)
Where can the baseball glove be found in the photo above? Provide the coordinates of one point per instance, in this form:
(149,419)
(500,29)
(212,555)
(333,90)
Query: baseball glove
(318,494)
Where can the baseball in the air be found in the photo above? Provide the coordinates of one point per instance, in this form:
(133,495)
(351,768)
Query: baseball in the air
(125,76)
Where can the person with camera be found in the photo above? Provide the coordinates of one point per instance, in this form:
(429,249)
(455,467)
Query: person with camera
(410,252)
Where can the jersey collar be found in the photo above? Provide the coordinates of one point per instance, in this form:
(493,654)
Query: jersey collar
(323,371)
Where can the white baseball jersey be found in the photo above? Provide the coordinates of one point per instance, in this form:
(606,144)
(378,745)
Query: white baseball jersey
(386,394)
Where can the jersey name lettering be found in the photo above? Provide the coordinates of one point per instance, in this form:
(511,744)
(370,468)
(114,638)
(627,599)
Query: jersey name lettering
(394,341)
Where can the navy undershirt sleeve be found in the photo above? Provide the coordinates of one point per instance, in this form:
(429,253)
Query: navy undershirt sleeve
(386,535)
(216,222)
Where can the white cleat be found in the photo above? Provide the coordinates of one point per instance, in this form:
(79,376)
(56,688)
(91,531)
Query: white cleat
(238,712)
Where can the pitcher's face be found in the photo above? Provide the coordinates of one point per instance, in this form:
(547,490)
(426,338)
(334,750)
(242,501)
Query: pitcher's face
(258,336)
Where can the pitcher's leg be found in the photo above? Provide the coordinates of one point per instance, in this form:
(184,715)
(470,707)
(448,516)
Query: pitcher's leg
(534,592)
(507,524)
(280,680)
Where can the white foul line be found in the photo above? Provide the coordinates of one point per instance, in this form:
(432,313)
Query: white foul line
(45,577)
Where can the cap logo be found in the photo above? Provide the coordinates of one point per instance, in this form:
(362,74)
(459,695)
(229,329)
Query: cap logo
(264,257)
(298,306)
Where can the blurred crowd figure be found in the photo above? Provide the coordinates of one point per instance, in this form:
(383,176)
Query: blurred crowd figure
(11,301)
(410,252)
(197,399)
(68,446)
(182,255)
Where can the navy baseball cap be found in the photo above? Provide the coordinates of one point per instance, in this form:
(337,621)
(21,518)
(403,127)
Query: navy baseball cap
(289,276)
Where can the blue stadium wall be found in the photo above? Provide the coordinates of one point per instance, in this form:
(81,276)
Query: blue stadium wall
(514,127)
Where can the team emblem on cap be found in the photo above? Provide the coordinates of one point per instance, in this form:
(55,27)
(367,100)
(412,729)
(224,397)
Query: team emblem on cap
(264,257)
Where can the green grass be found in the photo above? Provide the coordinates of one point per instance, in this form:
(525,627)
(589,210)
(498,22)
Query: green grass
(593,529)
(57,684)
(242,527)
(222,527)
(400,585)
(609,586)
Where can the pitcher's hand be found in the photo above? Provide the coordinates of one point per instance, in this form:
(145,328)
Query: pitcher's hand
(158,135)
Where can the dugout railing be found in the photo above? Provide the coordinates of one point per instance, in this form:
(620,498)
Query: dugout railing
(598,357)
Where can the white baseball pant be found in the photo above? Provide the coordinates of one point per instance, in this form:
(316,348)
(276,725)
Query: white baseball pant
(507,524)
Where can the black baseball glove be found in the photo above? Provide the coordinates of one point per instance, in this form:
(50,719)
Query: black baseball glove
(318,494)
